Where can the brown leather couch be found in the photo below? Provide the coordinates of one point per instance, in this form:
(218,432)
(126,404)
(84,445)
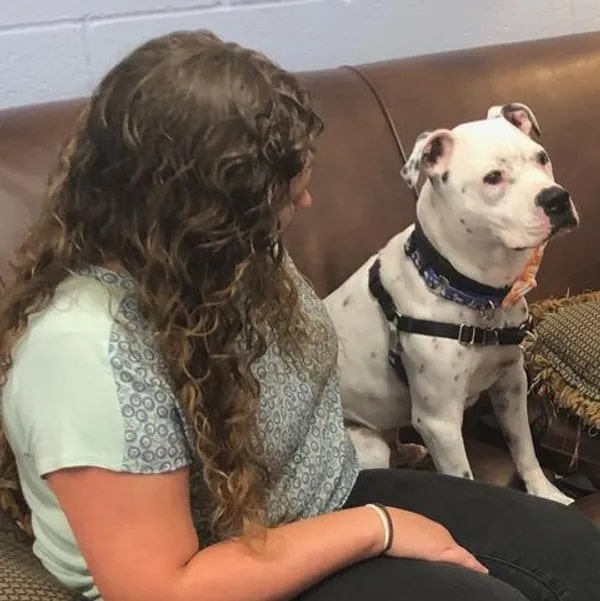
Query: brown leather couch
(372,114)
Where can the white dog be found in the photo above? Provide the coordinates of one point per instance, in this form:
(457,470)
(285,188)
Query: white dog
(423,325)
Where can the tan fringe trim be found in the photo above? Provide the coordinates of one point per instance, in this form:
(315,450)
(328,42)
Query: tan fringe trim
(17,510)
(12,501)
(543,308)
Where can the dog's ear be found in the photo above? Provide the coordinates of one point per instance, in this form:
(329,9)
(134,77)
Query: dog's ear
(430,155)
(519,114)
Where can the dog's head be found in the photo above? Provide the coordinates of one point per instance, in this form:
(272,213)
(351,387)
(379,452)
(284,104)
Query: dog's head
(494,179)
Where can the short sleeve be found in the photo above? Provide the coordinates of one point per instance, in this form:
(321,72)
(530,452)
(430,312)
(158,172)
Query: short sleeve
(87,399)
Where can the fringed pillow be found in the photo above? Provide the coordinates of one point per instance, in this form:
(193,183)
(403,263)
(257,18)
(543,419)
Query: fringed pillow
(563,355)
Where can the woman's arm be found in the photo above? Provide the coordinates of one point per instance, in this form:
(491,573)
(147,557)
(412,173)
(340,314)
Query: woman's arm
(138,539)
(137,536)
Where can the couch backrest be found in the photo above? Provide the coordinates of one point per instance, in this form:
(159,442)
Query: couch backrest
(359,197)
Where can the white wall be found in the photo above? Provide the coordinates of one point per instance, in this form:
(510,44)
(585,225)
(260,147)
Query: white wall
(55,49)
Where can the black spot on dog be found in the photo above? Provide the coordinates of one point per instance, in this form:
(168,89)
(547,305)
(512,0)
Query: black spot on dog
(436,344)
(516,390)
(506,364)
(456,377)
(417,164)
(460,354)
(445,176)
(466,475)
(346,302)
(524,310)
(418,420)
(373,355)
(421,368)
(463,190)
(467,228)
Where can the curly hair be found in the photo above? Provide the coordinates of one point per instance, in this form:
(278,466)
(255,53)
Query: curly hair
(178,170)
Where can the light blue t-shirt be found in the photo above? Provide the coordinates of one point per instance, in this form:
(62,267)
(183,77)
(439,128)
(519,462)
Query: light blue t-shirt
(87,388)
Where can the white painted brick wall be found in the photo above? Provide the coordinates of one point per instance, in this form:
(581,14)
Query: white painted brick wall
(55,49)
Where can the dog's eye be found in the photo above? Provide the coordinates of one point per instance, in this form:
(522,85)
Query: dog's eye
(493,178)
(543,158)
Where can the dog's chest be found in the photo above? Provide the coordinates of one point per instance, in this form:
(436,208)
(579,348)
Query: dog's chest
(485,366)
(444,363)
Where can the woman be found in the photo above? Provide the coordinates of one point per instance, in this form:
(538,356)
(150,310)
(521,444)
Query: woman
(169,380)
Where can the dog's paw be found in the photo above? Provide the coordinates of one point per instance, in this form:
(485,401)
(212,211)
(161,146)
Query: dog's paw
(407,455)
(547,490)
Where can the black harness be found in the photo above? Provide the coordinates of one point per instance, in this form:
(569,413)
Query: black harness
(465,334)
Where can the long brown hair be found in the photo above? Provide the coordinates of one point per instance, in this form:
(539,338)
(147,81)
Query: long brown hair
(178,170)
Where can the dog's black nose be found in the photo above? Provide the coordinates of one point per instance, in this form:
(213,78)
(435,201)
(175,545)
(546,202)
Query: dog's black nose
(554,201)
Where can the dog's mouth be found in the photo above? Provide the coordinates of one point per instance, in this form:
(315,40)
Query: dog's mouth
(560,224)
(554,234)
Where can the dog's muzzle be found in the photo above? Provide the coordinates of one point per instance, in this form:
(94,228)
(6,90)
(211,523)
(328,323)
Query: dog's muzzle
(556,203)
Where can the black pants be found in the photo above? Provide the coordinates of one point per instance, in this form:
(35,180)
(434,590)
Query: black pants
(535,550)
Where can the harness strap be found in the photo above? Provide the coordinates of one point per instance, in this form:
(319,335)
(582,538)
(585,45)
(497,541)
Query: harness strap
(463,333)
(389,310)
(386,302)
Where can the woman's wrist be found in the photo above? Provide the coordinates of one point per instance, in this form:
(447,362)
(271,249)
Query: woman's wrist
(386,524)
(369,522)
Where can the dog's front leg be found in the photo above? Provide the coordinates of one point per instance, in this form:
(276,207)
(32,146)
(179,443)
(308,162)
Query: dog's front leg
(509,400)
(438,420)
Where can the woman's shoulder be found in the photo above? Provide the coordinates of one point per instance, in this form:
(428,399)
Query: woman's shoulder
(86,367)
(92,316)
(79,304)
(89,303)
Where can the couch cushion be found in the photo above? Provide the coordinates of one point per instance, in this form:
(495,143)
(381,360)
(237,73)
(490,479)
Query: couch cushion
(22,577)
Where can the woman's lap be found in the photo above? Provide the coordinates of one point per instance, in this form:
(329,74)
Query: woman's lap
(545,551)
(386,579)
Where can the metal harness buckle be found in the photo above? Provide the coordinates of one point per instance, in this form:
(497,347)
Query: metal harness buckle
(464,327)
(490,336)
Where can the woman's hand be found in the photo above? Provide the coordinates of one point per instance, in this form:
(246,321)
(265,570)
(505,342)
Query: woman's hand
(418,537)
